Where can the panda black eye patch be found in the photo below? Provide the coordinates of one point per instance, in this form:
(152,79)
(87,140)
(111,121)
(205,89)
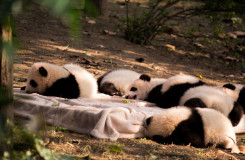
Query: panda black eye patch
(133,89)
(33,83)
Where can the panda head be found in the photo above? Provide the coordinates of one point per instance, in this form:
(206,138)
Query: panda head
(237,92)
(139,89)
(37,78)
(42,75)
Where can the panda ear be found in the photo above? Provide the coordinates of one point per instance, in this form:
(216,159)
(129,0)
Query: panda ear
(43,71)
(145,77)
(229,86)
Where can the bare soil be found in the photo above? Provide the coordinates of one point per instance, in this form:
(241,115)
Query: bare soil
(45,38)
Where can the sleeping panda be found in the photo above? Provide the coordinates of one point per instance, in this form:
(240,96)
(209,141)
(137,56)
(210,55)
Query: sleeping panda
(68,81)
(166,94)
(211,97)
(237,92)
(174,88)
(116,82)
(141,87)
(196,126)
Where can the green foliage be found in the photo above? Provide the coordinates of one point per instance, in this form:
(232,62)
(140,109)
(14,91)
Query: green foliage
(114,148)
(142,27)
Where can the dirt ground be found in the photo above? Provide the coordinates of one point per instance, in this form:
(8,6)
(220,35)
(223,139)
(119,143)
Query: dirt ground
(45,38)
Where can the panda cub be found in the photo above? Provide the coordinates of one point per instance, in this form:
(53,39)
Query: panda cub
(141,88)
(166,94)
(196,126)
(237,92)
(211,97)
(68,81)
(116,82)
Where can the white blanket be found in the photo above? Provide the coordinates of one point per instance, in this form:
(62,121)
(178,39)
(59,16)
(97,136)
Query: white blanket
(105,117)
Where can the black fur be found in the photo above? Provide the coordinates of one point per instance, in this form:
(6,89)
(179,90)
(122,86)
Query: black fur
(110,89)
(43,72)
(33,84)
(236,114)
(172,96)
(65,87)
(154,94)
(241,98)
(229,86)
(145,77)
(195,102)
(190,131)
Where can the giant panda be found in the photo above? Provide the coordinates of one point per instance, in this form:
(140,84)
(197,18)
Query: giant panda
(116,82)
(141,88)
(68,81)
(173,89)
(166,94)
(199,127)
(211,97)
(237,92)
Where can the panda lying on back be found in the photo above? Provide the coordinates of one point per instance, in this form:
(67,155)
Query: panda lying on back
(68,81)
(198,127)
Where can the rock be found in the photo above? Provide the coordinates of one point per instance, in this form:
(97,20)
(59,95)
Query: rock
(109,32)
(221,35)
(232,35)
(239,33)
(199,45)
(91,22)
(170,47)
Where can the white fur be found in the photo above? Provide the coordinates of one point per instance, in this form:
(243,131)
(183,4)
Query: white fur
(143,88)
(121,78)
(85,80)
(165,123)
(218,129)
(54,72)
(232,93)
(179,79)
(212,97)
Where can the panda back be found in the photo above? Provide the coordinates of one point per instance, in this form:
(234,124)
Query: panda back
(86,82)
(217,127)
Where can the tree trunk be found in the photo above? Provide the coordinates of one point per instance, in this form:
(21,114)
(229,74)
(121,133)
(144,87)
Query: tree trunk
(6,91)
(101,5)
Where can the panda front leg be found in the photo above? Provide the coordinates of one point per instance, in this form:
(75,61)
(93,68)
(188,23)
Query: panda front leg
(230,143)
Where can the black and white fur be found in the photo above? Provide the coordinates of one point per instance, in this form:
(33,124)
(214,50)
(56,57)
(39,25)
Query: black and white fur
(68,81)
(116,81)
(165,94)
(141,88)
(199,127)
(174,88)
(237,92)
(211,97)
